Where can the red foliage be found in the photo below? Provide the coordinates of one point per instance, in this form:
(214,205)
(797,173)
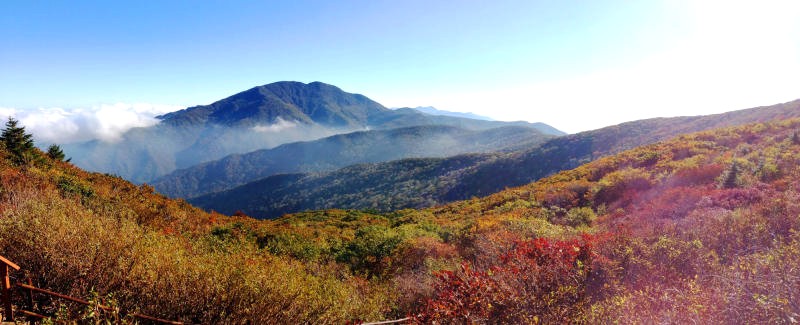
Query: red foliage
(574,194)
(537,280)
(673,203)
(705,174)
(737,197)
(560,197)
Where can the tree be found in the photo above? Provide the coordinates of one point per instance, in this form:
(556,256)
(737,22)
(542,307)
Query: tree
(730,178)
(54,152)
(17,141)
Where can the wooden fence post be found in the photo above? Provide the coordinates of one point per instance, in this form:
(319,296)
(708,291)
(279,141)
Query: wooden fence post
(8,312)
(30,301)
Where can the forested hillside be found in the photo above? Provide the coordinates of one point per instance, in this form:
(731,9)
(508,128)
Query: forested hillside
(418,183)
(342,150)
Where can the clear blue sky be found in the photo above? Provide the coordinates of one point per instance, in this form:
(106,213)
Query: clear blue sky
(574,64)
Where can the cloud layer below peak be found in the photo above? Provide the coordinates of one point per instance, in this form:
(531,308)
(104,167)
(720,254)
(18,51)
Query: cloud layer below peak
(106,122)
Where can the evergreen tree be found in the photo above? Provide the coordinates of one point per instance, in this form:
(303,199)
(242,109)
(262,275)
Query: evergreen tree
(730,179)
(795,138)
(17,141)
(54,152)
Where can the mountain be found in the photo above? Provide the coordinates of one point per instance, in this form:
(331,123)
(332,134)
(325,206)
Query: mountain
(427,182)
(258,118)
(293,102)
(433,111)
(702,228)
(342,150)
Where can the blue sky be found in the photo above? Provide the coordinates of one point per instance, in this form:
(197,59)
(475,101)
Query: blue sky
(576,65)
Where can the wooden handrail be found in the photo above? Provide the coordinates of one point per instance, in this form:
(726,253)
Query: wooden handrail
(137,315)
(56,294)
(84,302)
(5,293)
(389,321)
(9,263)
(32,314)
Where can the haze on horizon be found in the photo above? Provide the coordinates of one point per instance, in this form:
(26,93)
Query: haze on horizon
(575,66)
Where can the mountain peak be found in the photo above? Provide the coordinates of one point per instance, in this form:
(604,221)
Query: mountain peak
(291,101)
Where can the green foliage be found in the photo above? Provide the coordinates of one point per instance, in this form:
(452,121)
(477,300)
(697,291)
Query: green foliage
(582,216)
(730,179)
(54,152)
(292,245)
(370,248)
(17,142)
(72,186)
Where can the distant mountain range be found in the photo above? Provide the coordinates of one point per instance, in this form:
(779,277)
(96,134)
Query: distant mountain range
(433,111)
(436,112)
(342,150)
(258,118)
(426,182)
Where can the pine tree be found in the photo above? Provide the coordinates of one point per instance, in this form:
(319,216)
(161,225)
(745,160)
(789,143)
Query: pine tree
(54,152)
(795,138)
(17,142)
(730,179)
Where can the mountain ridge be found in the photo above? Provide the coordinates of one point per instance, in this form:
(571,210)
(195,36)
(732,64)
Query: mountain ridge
(261,117)
(341,150)
(434,111)
(293,101)
(486,174)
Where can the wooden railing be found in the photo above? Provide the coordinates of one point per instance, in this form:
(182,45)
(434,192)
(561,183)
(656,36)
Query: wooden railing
(31,314)
(396,321)
(30,289)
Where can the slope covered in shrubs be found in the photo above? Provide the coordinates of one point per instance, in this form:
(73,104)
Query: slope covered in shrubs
(87,234)
(701,228)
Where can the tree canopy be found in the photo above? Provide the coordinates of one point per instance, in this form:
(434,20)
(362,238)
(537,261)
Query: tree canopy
(18,142)
(54,152)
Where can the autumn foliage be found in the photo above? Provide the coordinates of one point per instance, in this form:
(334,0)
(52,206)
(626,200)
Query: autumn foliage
(703,229)
(538,280)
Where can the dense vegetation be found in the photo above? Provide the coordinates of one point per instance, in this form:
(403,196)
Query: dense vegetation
(702,228)
(93,235)
(385,186)
(343,150)
(423,183)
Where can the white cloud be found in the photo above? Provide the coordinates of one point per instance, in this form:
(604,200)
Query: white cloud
(279,125)
(105,122)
